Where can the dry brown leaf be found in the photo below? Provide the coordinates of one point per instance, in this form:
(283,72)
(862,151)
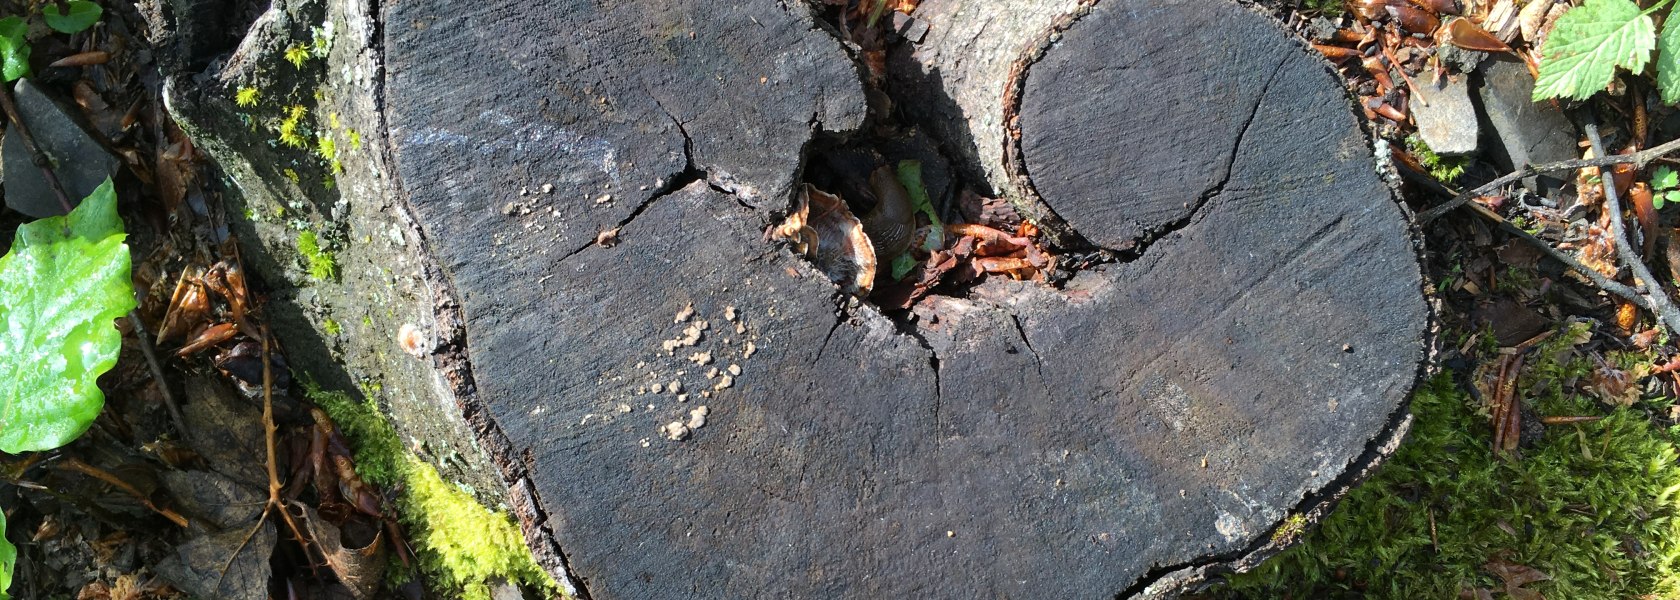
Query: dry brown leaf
(1515,576)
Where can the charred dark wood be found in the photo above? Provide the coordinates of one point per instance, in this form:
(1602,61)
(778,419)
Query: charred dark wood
(1153,420)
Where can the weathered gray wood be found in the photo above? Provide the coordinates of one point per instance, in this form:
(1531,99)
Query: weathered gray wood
(1153,420)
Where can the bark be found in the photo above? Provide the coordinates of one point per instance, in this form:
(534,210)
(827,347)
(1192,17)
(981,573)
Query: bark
(1152,422)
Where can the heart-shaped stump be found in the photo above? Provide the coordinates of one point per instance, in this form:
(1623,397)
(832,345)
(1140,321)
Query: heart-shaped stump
(1151,418)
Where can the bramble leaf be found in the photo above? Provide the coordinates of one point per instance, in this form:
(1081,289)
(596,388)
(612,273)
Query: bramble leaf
(82,14)
(14,48)
(1588,43)
(1668,60)
(1664,178)
(64,281)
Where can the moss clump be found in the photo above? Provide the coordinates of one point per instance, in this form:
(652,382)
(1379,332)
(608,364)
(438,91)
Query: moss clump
(461,546)
(297,54)
(288,129)
(1594,506)
(1445,169)
(321,264)
(247,96)
(331,327)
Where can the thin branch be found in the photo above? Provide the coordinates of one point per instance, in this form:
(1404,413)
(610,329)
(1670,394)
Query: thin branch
(77,465)
(152,363)
(35,153)
(1638,159)
(1655,299)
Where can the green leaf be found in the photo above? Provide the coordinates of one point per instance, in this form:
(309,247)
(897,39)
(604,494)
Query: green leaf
(1664,178)
(64,281)
(14,48)
(910,176)
(1668,60)
(1588,43)
(82,15)
(8,558)
(902,265)
(1672,196)
(1658,200)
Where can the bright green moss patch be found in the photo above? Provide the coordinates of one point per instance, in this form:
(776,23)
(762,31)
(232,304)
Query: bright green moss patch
(461,546)
(247,96)
(1445,169)
(321,263)
(1594,506)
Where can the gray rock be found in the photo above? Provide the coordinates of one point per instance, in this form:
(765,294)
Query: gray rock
(1522,131)
(1446,119)
(78,161)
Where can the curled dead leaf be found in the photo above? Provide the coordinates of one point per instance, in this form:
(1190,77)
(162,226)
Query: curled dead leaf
(1467,35)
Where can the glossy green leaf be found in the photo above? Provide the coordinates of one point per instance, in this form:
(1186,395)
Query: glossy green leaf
(62,284)
(14,48)
(8,558)
(1588,43)
(82,15)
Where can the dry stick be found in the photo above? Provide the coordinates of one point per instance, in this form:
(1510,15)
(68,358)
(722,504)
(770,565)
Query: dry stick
(274,501)
(1655,299)
(45,164)
(77,465)
(1639,160)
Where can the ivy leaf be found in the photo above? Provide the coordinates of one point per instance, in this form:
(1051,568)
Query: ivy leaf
(64,281)
(14,48)
(82,14)
(1588,43)
(1664,178)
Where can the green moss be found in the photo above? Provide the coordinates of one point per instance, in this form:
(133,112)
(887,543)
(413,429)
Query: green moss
(288,129)
(331,327)
(461,546)
(1445,169)
(247,96)
(321,263)
(1291,528)
(1592,505)
(297,54)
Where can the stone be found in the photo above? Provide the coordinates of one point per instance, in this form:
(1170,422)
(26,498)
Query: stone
(79,162)
(1446,118)
(1522,131)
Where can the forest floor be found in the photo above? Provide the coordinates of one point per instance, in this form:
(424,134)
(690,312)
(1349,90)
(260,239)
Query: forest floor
(1541,460)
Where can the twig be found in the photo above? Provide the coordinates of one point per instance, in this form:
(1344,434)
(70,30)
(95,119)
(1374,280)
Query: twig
(274,503)
(1598,279)
(1639,160)
(40,158)
(157,371)
(1655,299)
(76,464)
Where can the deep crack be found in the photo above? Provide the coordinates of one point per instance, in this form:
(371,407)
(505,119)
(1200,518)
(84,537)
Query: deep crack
(1038,361)
(1157,234)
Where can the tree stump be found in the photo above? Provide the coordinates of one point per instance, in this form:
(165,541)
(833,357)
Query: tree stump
(588,185)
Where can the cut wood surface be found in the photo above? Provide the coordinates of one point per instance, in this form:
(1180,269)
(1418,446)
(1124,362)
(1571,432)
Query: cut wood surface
(1150,421)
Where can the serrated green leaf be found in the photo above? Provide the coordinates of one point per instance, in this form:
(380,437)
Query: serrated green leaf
(1664,178)
(1668,60)
(1588,43)
(61,285)
(14,48)
(82,14)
